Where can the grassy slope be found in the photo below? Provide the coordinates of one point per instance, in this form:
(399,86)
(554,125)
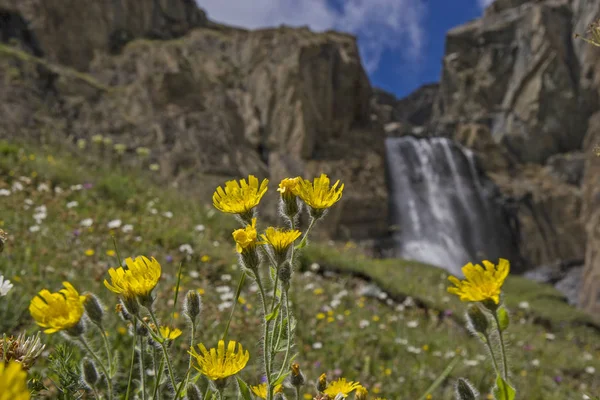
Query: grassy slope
(382,340)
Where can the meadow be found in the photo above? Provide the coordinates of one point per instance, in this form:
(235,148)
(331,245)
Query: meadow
(389,324)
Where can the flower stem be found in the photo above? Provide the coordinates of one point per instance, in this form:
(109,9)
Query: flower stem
(164,349)
(489,346)
(132,360)
(289,334)
(107,347)
(100,364)
(158,375)
(297,392)
(235,301)
(142,369)
(193,336)
(502,348)
(207,390)
(266,356)
(310,226)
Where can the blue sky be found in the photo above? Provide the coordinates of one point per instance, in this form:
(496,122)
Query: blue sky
(401,41)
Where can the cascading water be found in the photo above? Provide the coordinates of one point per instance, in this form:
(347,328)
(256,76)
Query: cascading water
(442,211)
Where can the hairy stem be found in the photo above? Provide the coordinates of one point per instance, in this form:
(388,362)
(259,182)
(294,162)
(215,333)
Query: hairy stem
(289,334)
(266,356)
(142,369)
(164,349)
(502,349)
(132,360)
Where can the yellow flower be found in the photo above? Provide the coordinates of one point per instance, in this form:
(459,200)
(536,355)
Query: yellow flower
(361,393)
(318,195)
(205,258)
(89,252)
(110,253)
(289,187)
(170,333)
(245,238)
(220,363)
(481,283)
(261,390)
(57,311)
(280,239)
(341,386)
(239,198)
(138,280)
(13,382)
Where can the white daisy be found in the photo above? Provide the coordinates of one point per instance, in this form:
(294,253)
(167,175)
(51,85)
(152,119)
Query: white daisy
(5,286)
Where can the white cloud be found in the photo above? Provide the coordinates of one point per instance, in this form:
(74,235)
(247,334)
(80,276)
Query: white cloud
(380,25)
(484,3)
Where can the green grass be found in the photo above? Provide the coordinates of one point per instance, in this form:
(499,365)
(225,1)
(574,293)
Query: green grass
(395,340)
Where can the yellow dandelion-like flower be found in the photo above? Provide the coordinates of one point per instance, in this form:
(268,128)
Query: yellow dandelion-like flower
(239,198)
(138,280)
(261,390)
(57,311)
(317,194)
(341,386)
(245,238)
(481,283)
(289,186)
(280,240)
(220,363)
(13,382)
(170,333)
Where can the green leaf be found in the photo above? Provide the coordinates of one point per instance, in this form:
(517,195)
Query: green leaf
(503,391)
(274,313)
(503,319)
(301,245)
(281,379)
(244,389)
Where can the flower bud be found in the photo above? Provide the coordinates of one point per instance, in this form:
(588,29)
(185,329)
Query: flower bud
(465,390)
(297,377)
(89,372)
(322,384)
(477,319)
(192,305)
(193,393)
(285,274)
(503,318)
(361,393)
(93,309)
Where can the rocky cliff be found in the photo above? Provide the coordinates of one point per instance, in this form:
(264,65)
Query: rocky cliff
(206,99)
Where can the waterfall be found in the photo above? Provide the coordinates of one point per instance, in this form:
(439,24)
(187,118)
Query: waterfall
(442,211)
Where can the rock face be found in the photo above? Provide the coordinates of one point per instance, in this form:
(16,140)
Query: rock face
(403,116)
(516,70)
(70,32)
(216,101)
